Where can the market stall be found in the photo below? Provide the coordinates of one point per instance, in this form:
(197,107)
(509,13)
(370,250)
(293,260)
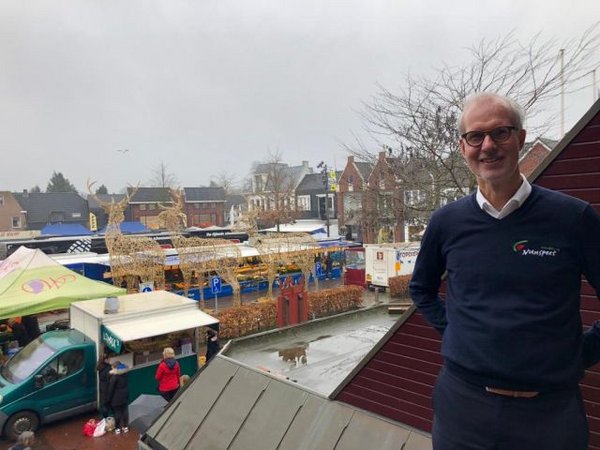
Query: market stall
(140,327)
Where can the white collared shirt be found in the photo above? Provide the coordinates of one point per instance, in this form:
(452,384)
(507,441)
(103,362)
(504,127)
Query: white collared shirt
(511,205)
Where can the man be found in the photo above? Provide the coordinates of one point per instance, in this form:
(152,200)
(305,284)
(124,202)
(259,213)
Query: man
(512,338)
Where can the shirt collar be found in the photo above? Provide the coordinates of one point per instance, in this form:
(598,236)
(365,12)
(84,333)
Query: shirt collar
(511,205)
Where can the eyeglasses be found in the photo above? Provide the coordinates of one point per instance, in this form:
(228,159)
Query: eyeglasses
(498,135)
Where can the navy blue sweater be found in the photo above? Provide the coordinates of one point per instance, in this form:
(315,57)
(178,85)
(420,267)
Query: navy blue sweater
(511,316)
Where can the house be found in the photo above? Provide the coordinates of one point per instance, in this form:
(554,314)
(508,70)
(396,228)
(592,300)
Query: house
(145,205)
(13,218)
(396,379)
(383,203)
(310,197)
(204,206)
(352,184)
(534,153)
(44,208)
(235,206)
(273,188)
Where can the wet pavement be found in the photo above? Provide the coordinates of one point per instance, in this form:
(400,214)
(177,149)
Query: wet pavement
(68,435)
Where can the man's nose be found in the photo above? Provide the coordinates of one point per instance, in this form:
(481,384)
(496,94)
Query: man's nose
(488,142)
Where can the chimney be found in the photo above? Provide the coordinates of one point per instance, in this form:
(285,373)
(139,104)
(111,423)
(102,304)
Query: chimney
(305,164)
(350,159)
(25,193)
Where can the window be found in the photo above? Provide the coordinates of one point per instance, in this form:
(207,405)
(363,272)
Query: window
(151,207)
(304,203)
(76,215)
(451,194)
(64,365)
(196,205)
(143,207)
(413,197)
(16,222)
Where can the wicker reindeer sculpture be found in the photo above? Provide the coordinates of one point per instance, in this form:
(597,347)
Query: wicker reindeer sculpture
(199,256)
(133,259)
(287,248)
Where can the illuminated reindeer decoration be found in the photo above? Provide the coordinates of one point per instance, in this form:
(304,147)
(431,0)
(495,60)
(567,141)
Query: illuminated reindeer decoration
(197,255)
(133,259)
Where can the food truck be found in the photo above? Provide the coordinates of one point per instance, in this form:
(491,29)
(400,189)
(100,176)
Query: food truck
(55,376)
(383,261)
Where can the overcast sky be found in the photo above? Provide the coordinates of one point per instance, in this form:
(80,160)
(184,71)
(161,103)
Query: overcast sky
(209,86)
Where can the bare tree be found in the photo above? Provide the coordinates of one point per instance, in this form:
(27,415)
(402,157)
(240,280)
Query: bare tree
(228,181)
(275,191)
(161,177)
(417,124)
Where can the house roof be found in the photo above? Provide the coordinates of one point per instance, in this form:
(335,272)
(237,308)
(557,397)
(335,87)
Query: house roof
(566,140)
(364,169)
(293,174)
(229,405)
(204,194)
(40,205)
(548,143)
(234,200)
(150,195)
(314,182)
(107,198)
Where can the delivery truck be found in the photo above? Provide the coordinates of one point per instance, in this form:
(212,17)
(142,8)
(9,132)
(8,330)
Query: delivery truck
(383,261)
(54,376)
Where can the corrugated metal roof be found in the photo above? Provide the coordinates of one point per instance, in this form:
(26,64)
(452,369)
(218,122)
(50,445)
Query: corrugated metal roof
(150,195)
(230,406)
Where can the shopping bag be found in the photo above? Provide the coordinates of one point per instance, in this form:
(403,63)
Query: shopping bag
(89,427)
(100,429)
(110,424)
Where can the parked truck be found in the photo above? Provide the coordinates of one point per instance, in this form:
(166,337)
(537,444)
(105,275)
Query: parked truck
(55,377)
(383,261)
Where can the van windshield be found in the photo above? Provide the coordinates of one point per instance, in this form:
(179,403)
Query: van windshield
(24,363)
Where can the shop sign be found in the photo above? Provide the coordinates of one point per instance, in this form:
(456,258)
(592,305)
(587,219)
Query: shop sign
(110,340)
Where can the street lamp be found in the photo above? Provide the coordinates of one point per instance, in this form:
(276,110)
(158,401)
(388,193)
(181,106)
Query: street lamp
(325,174)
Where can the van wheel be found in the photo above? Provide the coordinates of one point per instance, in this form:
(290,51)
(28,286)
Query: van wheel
(19,422)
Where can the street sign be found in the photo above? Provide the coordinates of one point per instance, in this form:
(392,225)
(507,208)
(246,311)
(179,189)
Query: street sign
(147,286)
(215,285)
(318,269)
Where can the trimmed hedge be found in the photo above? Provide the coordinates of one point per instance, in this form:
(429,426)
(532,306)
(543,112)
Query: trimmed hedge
(252,318)
(399,286)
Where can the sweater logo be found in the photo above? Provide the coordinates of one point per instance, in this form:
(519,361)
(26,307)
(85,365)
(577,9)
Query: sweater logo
(522,248)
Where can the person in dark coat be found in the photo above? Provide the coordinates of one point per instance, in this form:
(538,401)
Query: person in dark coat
(118,393)
(103,368)
(31,325)
(212,344)
(19,332)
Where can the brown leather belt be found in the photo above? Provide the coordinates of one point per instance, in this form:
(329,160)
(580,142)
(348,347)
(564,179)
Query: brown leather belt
(509,393)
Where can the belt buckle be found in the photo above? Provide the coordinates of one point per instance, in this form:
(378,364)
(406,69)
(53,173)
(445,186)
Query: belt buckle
(510,393)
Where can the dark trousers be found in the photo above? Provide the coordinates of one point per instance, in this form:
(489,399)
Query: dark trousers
(121,416)
(466,417)
(168,395)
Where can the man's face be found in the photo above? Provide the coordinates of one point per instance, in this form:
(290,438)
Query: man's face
(494,164)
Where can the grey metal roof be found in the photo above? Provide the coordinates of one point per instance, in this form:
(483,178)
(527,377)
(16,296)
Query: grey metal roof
(41,205)
(235,200)
(204,194)
(150,195)
(230,406)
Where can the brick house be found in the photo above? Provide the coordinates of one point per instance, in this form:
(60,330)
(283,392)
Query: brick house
(534,153)
(351,187)
(204,206)
(144,205)
(12,215)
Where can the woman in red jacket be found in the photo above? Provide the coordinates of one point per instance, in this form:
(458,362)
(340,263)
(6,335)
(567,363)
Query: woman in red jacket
(168,374)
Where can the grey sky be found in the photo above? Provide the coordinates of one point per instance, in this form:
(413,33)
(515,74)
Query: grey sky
(212,85)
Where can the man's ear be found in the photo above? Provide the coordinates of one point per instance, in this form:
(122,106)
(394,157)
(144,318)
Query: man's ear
(461,145)
(522,136)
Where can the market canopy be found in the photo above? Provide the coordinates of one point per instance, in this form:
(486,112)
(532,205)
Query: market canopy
(31,282)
